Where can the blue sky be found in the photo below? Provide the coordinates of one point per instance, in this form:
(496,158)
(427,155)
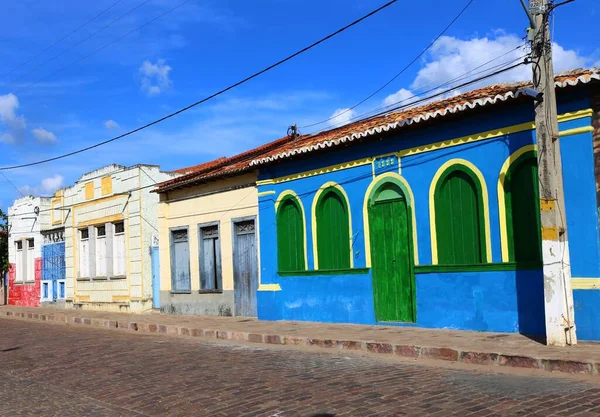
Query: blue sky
(206,45)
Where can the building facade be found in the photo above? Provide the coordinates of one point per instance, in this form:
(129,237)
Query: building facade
(208,240)
(430,217)
(26,217)
(107,221)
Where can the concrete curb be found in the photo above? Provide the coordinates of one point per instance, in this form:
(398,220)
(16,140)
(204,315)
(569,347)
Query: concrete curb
(403,350)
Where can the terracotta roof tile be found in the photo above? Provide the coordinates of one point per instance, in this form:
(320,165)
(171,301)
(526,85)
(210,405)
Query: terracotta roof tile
(285,147)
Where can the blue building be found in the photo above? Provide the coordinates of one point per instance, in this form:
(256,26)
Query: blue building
(429,216)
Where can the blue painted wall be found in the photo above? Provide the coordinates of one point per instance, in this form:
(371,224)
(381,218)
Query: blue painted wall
(587,314)
(510,301)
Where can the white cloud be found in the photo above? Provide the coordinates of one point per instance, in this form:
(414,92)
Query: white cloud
(155,77)
(341,117)
(14,125)
(400,97)
(47,187)
(111,124)
(450,58)
(43,135)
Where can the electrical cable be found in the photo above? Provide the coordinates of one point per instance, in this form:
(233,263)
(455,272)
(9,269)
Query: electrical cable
(218,93)
(210,193)
(78,43)
(61,39)
(401,71)
(449,82)
(103,47)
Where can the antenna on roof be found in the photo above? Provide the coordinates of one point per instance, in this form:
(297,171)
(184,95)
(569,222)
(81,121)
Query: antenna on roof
(293,133)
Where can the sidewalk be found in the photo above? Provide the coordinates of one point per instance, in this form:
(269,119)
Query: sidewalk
(500,349)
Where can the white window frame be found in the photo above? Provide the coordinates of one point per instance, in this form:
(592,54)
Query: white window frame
(20,262)
(117,272)
(81,251)
(101,262)
(30,266)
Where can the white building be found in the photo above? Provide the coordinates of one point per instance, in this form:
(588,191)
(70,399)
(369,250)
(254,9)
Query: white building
(26,218)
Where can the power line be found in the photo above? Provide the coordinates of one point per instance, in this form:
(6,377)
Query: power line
(214,192)
(449,82)
(61,39)
(441,93)
(105,46)
(218,93)
(80,42)
(401,71)
(11,183)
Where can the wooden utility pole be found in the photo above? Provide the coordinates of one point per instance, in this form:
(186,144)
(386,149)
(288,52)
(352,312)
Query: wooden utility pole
(558,293)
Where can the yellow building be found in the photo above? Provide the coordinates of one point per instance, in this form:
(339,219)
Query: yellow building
(109,219)
(208,241)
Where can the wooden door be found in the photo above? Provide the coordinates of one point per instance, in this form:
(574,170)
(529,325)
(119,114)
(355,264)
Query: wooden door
(245,268)
(391,255)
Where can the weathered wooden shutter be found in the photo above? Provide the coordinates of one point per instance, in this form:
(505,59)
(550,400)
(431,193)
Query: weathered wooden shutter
(333,235)
(459,220)
(100,251)
(523,210)
(210,258)
(290,236)
(181,261)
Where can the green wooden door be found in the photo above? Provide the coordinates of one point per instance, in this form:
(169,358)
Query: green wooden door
(523,210)
(391,255)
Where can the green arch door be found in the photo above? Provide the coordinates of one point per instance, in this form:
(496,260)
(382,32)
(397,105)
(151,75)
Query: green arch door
(391,254)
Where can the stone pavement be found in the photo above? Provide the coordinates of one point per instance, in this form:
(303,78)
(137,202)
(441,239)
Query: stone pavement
(481,348)
(60,370)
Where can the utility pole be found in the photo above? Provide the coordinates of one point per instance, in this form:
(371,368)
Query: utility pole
(558,293)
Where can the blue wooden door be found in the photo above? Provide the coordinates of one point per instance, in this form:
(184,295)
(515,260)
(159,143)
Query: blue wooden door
(155,277)
(53,269)
(245,268)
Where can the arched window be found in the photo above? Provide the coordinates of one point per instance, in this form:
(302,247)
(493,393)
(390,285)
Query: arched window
(459,217)
(333,230)
(521,199)
(290,235)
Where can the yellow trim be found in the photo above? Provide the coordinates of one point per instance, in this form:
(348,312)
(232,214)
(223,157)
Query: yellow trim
(377,180)
(269,287)
(579,114)
(585,283)
(468,139)
(484,197)
(295,196)
(314,221)
(89,190)
(120,298)
(101,220)
(324,170)
(576,131)
(565,117)
(83,298)
(501,201)
(264,193)
(106,185)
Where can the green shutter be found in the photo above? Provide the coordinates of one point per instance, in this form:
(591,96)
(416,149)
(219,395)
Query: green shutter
(459,218)
(333,234)
(523,210)
(290,236)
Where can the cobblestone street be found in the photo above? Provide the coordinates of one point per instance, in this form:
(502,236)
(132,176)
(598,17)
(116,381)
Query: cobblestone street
(61,370)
